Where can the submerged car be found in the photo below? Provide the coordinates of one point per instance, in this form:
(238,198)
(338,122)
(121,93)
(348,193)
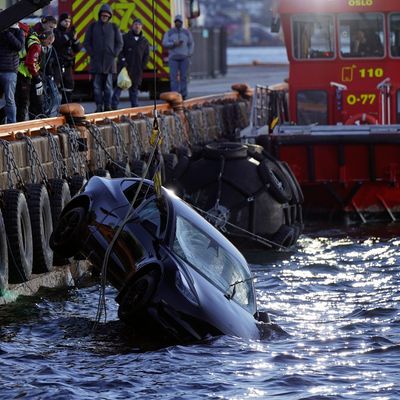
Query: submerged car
(174,272)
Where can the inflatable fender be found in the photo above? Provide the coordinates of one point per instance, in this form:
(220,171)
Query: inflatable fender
(228,150)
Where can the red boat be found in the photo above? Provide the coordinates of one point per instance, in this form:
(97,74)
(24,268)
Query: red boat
(336,121)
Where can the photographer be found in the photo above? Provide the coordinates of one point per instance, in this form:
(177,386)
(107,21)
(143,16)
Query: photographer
(67,46)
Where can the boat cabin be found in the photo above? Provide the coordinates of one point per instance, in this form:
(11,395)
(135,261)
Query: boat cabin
(344,60)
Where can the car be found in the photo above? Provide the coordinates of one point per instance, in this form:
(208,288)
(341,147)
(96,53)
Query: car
(174,272)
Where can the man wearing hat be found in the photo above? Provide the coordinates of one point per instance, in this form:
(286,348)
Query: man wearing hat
(67,45)
(103,43)
(134,56)
(179,42)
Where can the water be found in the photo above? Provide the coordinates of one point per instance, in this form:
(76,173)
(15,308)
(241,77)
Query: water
(336,298)
(248,55)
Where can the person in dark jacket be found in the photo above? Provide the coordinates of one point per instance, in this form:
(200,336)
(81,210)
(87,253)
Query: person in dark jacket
(46,23)
(67,45)
(134,56)
(103,43)
(12,40)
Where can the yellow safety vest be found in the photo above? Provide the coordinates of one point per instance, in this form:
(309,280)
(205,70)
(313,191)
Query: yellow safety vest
(22,68)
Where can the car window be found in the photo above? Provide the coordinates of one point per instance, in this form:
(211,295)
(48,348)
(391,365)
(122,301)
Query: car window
(214,262)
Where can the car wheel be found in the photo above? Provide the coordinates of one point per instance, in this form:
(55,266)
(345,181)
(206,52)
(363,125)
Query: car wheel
(138,295)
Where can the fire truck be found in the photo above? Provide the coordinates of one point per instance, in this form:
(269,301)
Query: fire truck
(159,14)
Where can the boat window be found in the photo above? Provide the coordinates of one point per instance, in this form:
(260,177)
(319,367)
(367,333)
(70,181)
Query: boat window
(394,24)
(213,262)
(313,36)
(361,35)
(312,107)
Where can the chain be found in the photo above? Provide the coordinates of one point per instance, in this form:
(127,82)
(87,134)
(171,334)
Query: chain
(166,130)
(181,137)
(60,167)
(11,166)
(137,145)
(192,127)
(121,151)
(99,145)
(218,119)
(34,159)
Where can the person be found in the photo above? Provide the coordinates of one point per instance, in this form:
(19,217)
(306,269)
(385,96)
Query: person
(134,56)
(67,45)
(29,91)
(12,40)
(179,42)
(46,23)
(367,44)
(103,43)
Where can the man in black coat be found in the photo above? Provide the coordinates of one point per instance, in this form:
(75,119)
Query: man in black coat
(67,45)
(103,43)
(12,40)
(134,56)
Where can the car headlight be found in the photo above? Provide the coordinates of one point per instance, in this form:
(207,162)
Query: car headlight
(186,288)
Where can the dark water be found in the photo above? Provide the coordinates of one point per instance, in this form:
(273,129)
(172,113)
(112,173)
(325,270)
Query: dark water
(336,297)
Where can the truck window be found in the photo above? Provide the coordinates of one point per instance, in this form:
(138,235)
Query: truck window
(313,36)
(394,27)
(361,35)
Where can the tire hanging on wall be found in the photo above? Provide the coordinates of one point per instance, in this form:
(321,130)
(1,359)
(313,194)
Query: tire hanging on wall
(19,234)
(42,227)
(3,256)
(60,195)
(228,150)
(272,176)
(75,184)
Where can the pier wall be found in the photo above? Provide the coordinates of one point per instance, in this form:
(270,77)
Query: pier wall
(79,144)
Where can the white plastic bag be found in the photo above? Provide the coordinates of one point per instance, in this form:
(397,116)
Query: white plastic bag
(123,80)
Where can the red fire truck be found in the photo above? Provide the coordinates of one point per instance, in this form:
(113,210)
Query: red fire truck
(157,13)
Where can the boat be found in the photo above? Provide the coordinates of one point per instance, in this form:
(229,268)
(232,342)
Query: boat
(174,272)
(336,121)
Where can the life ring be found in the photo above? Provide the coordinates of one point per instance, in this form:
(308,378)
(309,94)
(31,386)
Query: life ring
(272,176)
(66,239)
(3,256)
(60,195)
(19,233)
(363,118)
(228,150)
(42,226)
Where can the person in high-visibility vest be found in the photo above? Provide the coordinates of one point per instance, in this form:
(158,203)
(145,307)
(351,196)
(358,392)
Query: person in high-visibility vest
(29,92)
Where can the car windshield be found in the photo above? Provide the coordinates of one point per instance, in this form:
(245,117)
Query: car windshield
(214,262)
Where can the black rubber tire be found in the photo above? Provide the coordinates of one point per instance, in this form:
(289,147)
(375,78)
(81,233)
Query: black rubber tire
(42,227)
(119,169)
(101,172)
(137,295)
(19,234)
(138,167)
(170,162)
(75,184)
(298,193)
(271,175)
(285,236)
(3,256)
(60,195)
(255,151)
(228,150)
(66,239)
(181,167)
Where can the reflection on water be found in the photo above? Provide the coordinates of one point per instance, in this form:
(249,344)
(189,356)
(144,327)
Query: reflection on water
(334,301)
